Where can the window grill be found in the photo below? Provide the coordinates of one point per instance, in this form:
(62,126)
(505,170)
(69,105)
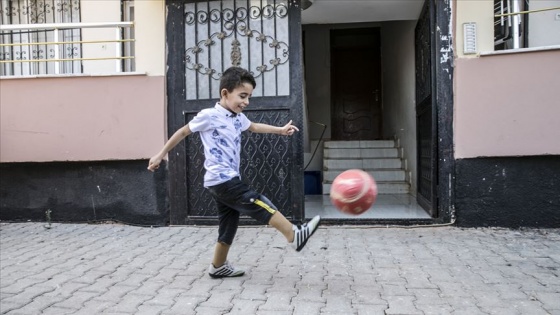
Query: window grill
(24,45)
(43,37)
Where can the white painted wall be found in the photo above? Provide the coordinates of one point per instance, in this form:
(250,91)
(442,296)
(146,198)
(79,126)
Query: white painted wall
(399,114)
(481,13)
(544,27)
(150,43)
(149,29)
(96,12)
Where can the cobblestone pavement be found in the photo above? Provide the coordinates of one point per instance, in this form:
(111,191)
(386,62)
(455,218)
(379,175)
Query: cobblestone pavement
(117,269)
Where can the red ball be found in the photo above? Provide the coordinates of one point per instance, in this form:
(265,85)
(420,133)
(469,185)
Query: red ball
(353,192)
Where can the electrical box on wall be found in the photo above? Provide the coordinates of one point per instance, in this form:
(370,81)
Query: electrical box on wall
(469,38)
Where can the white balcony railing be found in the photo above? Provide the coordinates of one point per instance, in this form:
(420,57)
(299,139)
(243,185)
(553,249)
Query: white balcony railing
(66,48)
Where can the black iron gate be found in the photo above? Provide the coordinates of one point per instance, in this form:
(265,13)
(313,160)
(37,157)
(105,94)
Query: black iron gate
(426,115)
(204,39)
(434,109)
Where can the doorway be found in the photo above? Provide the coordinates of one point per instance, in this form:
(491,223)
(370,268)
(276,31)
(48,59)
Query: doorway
(421,124)
(356,84)
(370,75)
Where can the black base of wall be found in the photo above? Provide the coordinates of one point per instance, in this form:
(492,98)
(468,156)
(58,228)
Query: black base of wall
(508,192)
(122,191)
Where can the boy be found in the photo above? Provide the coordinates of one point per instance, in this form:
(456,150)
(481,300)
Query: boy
(220,130)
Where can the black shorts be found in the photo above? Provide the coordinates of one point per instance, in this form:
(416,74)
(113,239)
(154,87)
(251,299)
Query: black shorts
(234,198)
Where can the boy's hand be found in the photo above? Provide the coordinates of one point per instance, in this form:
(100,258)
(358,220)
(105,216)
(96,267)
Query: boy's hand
(289,129)
(154,163)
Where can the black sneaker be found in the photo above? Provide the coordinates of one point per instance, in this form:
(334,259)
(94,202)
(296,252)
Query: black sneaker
(226,270)
(302,233)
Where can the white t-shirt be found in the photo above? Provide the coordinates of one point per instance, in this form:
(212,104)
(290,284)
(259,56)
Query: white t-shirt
(220,132)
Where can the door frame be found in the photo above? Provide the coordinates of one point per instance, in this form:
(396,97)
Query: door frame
(177,164)
(443,103)
(442,110)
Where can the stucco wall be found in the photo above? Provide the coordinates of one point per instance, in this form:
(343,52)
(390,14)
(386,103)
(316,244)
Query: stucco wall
(81,118)
(507,105)
(318,77)
(542,25)
(399,112)
(97,12)
(481,13)
(88,118)
(149,27)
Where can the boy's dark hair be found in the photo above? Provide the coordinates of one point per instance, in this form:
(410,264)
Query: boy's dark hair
(234,77)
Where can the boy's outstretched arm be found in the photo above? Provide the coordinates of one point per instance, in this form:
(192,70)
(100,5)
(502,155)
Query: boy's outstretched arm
(287,130)
(171,143)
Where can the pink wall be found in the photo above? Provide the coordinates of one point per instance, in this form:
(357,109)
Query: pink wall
(81,118)
(508,105)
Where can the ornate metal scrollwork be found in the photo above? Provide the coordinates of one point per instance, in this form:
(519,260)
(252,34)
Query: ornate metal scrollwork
(38,54)
(21,55)
(35,12)
(235,23)
(235,53)
(268,175)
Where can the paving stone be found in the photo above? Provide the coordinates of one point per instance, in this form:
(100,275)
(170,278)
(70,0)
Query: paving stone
(94,307)
(151,309)
(369,309)
(337,304)
(52,310)
(308,307)
(278,301)
(76,300)
(401,305)
(165,296)
(186,304)
(550,300)
(438,309)
(128,304)
(309,293)
(242,307)
(119,269)
(220,299)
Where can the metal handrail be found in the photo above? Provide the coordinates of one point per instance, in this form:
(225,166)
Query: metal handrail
(65,59)
(61,26)
(71,42)
(526,12)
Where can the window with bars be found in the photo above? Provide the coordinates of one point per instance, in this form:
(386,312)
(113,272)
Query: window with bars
(526,23)
(26,51)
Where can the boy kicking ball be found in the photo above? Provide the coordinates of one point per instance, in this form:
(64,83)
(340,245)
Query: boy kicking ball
(220,130)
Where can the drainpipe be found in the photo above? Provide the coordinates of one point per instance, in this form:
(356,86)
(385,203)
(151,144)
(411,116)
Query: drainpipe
(516,22)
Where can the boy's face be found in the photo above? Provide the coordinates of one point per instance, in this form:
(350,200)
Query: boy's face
(237,99)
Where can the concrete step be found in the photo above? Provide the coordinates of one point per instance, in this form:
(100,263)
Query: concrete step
(360,153)
(359,144)
(382,188)
(364,164)
(384,175)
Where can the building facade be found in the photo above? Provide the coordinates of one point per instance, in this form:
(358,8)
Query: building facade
(466,89)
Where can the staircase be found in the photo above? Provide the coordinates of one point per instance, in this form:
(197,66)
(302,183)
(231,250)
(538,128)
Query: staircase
(380,158)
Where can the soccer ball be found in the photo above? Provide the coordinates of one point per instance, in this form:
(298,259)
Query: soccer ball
(353,192)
